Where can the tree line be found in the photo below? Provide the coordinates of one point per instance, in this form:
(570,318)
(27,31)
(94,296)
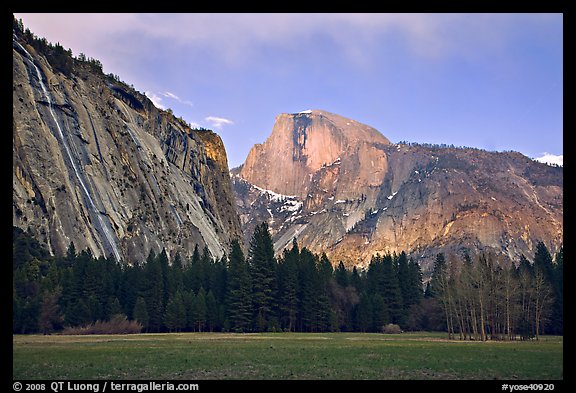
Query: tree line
(491,298)
(297,291)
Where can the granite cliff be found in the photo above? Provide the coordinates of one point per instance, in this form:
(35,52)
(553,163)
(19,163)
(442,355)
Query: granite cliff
(97,164)
(340,186)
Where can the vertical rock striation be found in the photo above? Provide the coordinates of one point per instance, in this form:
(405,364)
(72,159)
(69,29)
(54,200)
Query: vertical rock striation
(95,163)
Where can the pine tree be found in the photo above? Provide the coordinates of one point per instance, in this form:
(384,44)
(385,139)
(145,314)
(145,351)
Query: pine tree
(200,310)
(70,255)
(380,314)
(263,275)
(390,291)
(140,313)
(238,291)
(341,275)
(438,272)
(113,307)
(206,264)
(403,277)
(306,293)
(287,278)
(543,262)
(190,305)
(364,314)
(356,280)
(414,292)
(558,311)
(176,276)
(153,292)
(193,272)
(175,315)
(212,312)
(167,288)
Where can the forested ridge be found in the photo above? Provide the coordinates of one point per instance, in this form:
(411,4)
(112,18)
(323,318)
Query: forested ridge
(480,298)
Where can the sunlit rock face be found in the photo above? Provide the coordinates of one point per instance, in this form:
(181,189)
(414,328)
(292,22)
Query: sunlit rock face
(97,164)
(341,187)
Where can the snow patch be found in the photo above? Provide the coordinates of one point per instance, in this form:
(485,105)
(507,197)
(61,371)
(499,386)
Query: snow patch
(274,196)
(336,162)
(291,206)
(392,196)
(306,112)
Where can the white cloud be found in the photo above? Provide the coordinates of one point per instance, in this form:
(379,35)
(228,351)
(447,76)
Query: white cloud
(173,96)
(170,95)
(237,36)
(551,159)
(156,100)
(218,122)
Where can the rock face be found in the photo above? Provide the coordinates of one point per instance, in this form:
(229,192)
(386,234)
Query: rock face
(309,142)
(341,187)
(95,163)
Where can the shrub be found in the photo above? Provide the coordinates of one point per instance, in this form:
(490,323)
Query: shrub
(118,324)
(391,328)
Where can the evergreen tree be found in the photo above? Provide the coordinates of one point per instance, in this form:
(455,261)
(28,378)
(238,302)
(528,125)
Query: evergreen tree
(200,309)
(341,275)
(558,311)
(438,272)
(176,276)
(153,292)
(390,291)
(238,291)
(113,307)
(175,315)
(70,255)
(140,313)
(190,305)
(193,272)
(263,275)
(306,294)
(543,261)
(207,264)
(218,277)
(403,277)
(413,294)
(167,284)
(356,280)
(212,312)
(364,314)
(287,278)
(380,313)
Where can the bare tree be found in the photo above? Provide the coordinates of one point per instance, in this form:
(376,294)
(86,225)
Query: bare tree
(542,301)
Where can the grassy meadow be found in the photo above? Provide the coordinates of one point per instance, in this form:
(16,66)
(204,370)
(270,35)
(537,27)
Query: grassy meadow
(194,356)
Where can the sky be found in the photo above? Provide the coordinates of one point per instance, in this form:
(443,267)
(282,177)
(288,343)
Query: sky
(490,81)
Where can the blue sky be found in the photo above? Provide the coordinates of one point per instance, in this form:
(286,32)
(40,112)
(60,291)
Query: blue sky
(491,81)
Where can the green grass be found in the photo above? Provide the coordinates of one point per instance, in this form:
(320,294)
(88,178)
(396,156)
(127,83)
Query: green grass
(282,356)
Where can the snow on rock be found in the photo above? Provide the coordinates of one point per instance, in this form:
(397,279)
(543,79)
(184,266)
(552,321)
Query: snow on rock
(392,196)
(274,196)
(291,206)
